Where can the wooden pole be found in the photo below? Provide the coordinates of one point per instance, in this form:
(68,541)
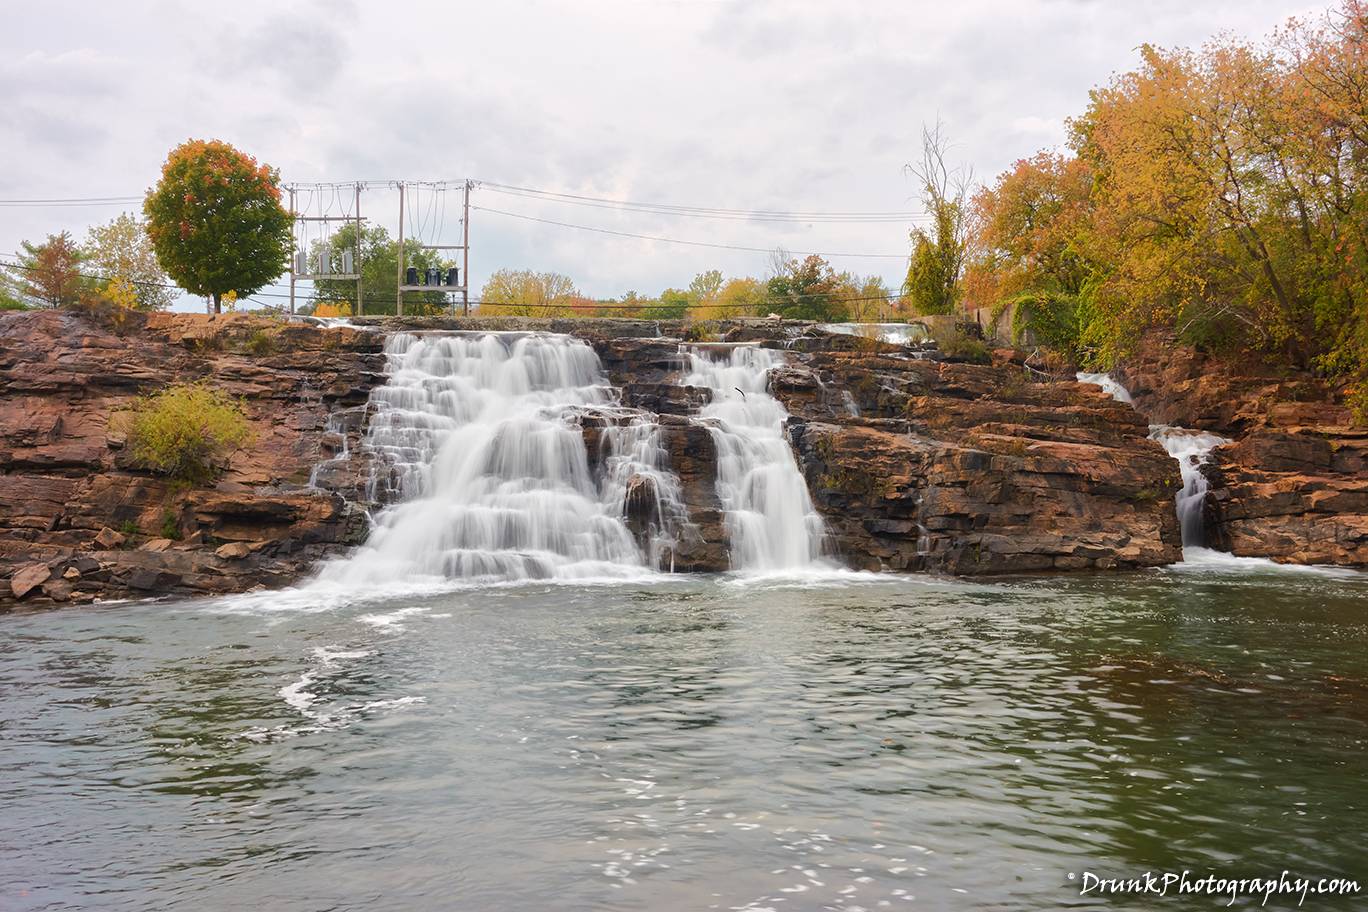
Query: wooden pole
(293,226)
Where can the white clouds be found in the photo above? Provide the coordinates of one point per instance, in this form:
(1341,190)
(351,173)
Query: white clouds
(749,104)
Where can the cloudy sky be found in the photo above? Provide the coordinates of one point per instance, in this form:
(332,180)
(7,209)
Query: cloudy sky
(751,105)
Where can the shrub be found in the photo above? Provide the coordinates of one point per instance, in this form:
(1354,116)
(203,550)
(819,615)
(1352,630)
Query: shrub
(187,431)
(958,346)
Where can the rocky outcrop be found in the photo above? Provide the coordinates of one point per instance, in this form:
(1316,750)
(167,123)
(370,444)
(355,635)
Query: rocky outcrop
(1293,484)
(73,506)
(977,469)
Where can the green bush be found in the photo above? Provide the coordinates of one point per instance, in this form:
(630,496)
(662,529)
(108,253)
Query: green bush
(961,347)
(187,431)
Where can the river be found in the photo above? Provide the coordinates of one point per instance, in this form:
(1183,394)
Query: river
(686,743)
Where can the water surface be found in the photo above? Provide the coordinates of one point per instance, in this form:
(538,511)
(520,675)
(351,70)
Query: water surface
(686,744)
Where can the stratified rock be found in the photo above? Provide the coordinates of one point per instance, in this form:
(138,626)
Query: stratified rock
(27,578)
(1293,486)
(156,544)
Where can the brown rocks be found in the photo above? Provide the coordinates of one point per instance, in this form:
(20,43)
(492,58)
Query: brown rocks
(977,469)
(233,551)
(1293,486)
(67,482)
(107,539)
(27,578)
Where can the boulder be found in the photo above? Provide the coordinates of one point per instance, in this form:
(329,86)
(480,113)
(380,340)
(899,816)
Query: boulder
(233,551)
(107,539)
(27,578)
(156,544)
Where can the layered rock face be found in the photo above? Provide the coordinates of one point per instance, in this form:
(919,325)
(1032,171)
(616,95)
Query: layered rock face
(79,521)
(976,469)
(1293,484)
(915,461)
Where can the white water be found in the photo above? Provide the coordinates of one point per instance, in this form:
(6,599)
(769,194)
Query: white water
(1109,386)
(895,333)
(771,521)
(479,440)
(1192,449)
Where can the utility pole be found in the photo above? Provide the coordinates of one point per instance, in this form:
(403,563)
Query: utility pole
(358,249)
(399,270)
(293,252)
(465,253)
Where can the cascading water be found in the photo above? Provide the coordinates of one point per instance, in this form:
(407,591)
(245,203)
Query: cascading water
(771,521)
(480,442)
(1192,449)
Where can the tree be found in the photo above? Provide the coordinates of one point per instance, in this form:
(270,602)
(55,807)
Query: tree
(51,271)
(672,304)
(808,289)
(743,297)
(121,249)
(378,263)
(12,296)
(938,251)
(524,293)
(216,220)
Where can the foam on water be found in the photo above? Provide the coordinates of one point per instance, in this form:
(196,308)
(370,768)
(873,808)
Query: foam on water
(771,521)
(481,441)
(1109,385)
(895,333)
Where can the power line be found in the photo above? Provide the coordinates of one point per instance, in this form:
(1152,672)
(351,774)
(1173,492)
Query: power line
(704,209)
(667,240)
(73,201)
(832,218)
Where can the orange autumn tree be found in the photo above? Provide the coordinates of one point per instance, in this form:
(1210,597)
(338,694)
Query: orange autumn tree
(1219,192)
(216,221)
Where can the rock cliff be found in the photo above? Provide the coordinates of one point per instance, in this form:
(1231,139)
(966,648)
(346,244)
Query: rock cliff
(1292,485)
(78,521)
(916,460)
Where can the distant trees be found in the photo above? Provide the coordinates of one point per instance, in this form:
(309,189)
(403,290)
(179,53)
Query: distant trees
(808,289)
(524,293)
(50,272)
(216,220)
(121,252)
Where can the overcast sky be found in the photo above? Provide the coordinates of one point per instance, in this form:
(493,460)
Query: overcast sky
(777,106)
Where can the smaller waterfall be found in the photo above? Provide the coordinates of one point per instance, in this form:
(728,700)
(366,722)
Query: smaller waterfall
(1192,449)
(1109,386)
(770,517)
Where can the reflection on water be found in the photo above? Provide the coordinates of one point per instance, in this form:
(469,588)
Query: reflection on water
(692,744)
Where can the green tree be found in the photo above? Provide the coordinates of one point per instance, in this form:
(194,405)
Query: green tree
(808,289)
(938,250)
(121,249)
(379,260)
(672,304)
(50,272)
(216,220)
(12,296)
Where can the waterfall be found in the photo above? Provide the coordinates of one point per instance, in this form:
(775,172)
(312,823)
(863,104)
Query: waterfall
(771,521)
(1192,449)
(480,443)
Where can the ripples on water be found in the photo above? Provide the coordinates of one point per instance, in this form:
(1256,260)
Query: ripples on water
(686,744)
